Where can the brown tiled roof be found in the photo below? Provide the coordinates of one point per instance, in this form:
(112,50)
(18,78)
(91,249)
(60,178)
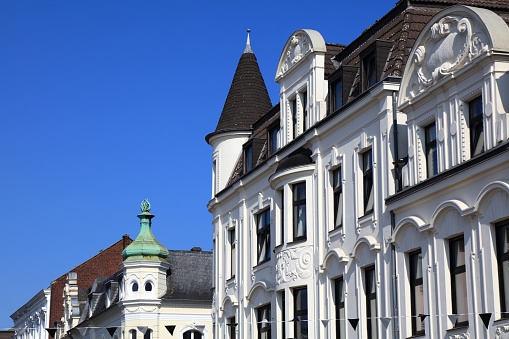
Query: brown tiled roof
(492,4)
(332,51)
(247,98)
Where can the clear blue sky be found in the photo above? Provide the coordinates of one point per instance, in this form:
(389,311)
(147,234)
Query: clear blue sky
(106,102)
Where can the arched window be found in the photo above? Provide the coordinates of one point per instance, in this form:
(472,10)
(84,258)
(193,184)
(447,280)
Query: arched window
(133,334)
(135,287)
(192,334)
(148,286)
(148,334)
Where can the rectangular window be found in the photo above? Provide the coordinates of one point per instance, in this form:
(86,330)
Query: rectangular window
(248,158)
(299,211)
(416,292)
(305,110)
(337,186)
(263,322)
(371,312)
(367,180)
(293,105)
(475,112)
(233,255)
(369,70)
(232,327)
(273,140)
(263,235)
(339,304)
(337,95)
(300,313)
(503,266)
(458,280)
(430,140)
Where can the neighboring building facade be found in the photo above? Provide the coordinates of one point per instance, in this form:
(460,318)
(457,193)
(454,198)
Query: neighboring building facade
(156,294)
(373,200)
(46,308)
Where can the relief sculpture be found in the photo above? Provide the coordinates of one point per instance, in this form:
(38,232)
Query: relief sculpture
(297,49)
(451,44)
(293,264)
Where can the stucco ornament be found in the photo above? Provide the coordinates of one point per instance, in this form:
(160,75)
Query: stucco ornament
(450,44)
(502,332)
(298,48)
(293,264)
(465,335)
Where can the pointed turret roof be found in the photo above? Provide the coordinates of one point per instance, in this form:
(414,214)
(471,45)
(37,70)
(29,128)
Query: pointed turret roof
(247,99)
(145,246)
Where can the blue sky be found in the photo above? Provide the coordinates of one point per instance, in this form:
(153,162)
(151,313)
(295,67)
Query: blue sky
(106,102)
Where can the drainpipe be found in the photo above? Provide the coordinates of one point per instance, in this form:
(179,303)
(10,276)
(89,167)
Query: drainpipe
(396,161)
(394,282)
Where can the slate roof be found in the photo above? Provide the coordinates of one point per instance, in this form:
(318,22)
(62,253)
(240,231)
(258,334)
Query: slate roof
(247,98)
(190,276)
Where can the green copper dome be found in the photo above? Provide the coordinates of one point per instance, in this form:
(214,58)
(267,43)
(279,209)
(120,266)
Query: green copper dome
(145,246)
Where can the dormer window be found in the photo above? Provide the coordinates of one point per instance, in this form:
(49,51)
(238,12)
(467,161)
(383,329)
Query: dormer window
(272,138)
(337,95)
(248,158)
(368,71)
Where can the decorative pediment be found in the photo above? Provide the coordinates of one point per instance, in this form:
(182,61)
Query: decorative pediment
(449,42)
(298,46)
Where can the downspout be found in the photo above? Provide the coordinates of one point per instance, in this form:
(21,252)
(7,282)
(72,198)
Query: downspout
(394,281)
(396,161)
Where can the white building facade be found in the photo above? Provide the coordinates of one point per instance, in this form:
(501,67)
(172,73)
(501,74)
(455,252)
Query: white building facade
(378,205)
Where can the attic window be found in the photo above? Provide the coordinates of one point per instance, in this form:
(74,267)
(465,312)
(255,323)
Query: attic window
(369,70)
(273,138)
(248,158)
(337,95)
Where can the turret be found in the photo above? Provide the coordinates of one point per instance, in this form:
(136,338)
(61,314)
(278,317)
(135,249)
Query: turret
(246,102)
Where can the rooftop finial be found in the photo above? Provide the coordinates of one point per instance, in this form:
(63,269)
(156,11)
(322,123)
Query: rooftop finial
(145,206)
(248,43)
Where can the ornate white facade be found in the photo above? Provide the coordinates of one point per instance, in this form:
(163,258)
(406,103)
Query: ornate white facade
(388,217)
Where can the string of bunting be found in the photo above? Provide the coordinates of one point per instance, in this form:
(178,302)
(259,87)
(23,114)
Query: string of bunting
(354,322)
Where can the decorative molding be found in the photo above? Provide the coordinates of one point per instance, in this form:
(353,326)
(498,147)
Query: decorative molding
(293,264)
(450,44)
(502,332)
(465,335)
(299,46)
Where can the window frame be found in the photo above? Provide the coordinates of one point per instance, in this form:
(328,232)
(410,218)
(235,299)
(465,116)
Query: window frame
(263,236)
(272,137)
(305,112)
(430,146)
(415,281)
(248,157)
(339,307)
(367,182)
(476,125)
(231,325)
(337,196)
(370,296)
(502,257)
(337,88)
(369,70)
(296,204)
(455,271)
(300,314)
(264,329)
(293,109)
(233,251)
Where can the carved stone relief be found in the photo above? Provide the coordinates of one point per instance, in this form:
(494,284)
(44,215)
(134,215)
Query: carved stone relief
(293,264)
(502,332)
(450,44)
(299,46)
(465,335)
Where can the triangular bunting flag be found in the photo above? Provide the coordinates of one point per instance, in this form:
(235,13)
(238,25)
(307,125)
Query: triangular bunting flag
(422,316)
(386,321)
(51,331)
(325,322)
(485,317)
(82,331)
(142,329)
(453,318)
(170,328)
(354,323)
(111,330)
